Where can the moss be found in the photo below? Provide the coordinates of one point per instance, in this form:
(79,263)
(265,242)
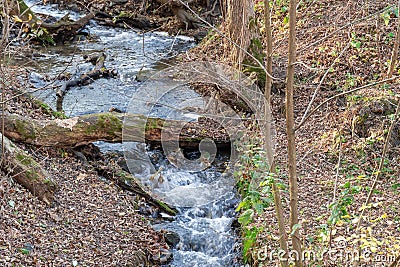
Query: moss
(22,129)
(25,160)
(32,175)
(123,175)
(109,122)
(166,208)
(59,115)
(105,122)
(256,49)
(154,124)
(42,105)
(47,109)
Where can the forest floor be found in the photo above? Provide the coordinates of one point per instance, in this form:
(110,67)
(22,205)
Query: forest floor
(341,46)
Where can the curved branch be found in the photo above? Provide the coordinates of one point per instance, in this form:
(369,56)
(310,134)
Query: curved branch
(342,94)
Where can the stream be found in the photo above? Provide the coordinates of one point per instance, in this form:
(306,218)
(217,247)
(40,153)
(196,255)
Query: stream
(206,198)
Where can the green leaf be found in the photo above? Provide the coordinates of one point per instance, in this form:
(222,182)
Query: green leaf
(396,186)
(246,217)
(259,207)
(286,20)
(294,228)
(24,251)
(245,204)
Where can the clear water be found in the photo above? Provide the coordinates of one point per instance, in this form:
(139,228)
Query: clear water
(127,51)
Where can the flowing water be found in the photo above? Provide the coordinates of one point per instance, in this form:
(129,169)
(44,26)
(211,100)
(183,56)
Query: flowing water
(205,199)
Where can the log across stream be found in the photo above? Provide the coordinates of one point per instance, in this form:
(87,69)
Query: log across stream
(81,130)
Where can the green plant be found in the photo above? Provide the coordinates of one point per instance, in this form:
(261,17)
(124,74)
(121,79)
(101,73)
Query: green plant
(250,238)
(254,183)
(355,42)
(339,209)
(42,35)
(388,14)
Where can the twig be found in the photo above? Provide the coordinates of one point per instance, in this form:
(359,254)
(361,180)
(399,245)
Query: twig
(381,163)
(342,94)
(336,184)
(338,169)
(306,66)
(344,27)
(320,84)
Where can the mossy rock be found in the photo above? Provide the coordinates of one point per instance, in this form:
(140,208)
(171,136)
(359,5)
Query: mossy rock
(371,113)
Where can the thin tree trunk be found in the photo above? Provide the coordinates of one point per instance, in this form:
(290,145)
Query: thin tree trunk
(268,134)
(291,137)
(5,26)
(395,52)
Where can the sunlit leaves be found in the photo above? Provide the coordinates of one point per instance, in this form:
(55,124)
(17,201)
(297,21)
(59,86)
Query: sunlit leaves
(246,217)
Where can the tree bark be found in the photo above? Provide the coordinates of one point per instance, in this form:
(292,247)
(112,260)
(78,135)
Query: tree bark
(268,135)
(240,14)
(291,137)
(109,127)
(26,171)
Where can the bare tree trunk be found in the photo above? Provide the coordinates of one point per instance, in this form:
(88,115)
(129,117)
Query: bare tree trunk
(395,52)
(239,15)
(5,26)
(26,171)
(291,137)
(268,135)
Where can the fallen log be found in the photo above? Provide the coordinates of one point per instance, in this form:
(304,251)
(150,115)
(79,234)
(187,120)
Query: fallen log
(127,182)
(54,33)
(108,127)
(65,29)
(26,171)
